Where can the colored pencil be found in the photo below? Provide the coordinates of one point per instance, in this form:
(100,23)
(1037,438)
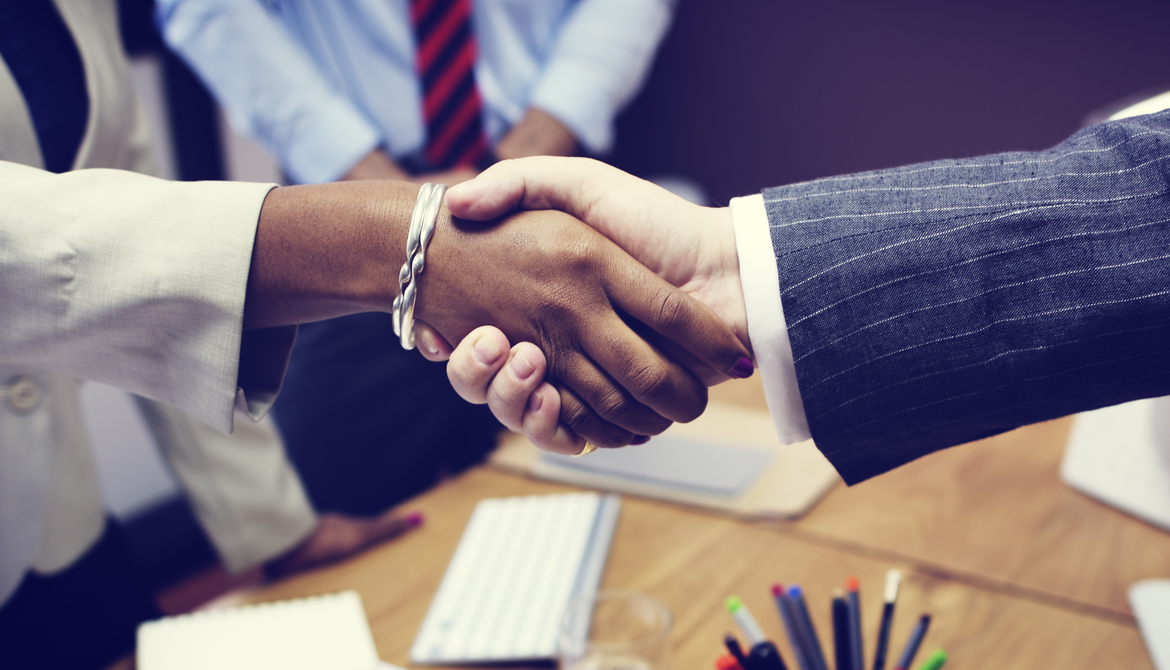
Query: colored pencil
(893,581)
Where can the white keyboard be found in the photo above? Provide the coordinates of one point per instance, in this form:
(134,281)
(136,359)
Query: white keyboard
(519,563)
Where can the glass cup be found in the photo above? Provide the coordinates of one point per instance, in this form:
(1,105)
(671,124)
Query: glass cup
(615,630)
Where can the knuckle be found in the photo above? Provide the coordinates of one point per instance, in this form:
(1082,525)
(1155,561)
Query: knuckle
(651,383)
(465,384)
(673,310)
(617,407)
(691,411)
(587,425)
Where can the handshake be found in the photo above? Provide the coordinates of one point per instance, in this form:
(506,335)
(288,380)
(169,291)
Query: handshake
(624,302)
(923,307)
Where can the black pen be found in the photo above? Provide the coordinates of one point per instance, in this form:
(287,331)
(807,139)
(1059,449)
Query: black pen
(914,642)
(893,580)
(763,655)
(841,649)
(732,645)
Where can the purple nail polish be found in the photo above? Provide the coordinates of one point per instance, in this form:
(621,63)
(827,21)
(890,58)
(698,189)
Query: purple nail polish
(743,368)
(414,519)
(640,439)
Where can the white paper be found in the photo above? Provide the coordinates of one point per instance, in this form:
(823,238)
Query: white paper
(708,467)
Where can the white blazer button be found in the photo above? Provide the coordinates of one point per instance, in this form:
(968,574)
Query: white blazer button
(24,394)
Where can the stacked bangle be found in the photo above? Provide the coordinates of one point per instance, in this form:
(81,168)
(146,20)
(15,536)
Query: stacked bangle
(422,228)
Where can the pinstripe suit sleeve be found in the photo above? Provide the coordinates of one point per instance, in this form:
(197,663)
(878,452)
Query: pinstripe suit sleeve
(940,303)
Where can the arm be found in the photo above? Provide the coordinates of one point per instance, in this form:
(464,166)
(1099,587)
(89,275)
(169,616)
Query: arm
(149,285)
(601,57)
(940,303)
(936,304)
(273,92)
(537,134)
(132,281)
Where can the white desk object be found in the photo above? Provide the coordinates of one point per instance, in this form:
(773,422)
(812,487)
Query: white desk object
(791,478)
(1150,600)
(328,631)
(1121,456)
(519,563)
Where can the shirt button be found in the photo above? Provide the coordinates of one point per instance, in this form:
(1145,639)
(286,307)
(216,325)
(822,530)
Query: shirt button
(24,394)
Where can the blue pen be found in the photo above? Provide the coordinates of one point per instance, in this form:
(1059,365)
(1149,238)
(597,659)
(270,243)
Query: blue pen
(800,608)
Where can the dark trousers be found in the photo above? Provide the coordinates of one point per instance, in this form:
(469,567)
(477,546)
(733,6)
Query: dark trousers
(81,618)
(368,424)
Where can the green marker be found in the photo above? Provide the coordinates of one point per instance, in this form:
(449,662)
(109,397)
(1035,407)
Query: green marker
(747,623)
(936,660)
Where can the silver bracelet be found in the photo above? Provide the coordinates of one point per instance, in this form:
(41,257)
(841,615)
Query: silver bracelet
(422,229)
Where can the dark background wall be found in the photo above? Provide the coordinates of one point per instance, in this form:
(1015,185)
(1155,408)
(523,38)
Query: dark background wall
(753,93)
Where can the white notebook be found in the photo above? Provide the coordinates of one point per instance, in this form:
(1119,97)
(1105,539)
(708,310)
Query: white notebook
(328,631)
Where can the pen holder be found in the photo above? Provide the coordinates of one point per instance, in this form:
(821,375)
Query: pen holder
(615,630)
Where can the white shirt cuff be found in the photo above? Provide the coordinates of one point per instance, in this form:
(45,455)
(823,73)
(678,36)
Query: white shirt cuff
(765,317)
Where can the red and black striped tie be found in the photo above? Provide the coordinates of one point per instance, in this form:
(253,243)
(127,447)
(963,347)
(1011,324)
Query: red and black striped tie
(446,66)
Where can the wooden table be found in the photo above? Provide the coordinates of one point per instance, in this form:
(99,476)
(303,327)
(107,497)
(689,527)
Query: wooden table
(1018,570)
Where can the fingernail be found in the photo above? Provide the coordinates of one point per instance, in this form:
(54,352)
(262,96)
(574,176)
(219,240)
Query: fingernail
(521,367)
(424,339)
(414,519)
(588,449)
(485,351)
(641,439)
(743,369)
(535,402)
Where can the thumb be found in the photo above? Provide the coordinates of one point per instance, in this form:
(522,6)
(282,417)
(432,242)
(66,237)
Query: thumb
(571,185)
(495,192)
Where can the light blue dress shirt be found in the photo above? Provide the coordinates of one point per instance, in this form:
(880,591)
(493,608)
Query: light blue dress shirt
(322,83)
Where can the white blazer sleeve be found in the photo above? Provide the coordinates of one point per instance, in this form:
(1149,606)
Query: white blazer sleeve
(136,282)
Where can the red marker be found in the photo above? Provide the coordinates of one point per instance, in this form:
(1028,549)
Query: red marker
(727,662)
(854,604)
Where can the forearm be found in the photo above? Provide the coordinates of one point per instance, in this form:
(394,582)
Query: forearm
(537,134)
(936,304)
(128,280)
(327,250)
(376,165)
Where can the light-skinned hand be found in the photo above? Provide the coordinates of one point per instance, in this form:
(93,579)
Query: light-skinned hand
(689,246)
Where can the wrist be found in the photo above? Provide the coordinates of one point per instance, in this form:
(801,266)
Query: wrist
(538,133)
(727,276)
(328,250)
(377,164)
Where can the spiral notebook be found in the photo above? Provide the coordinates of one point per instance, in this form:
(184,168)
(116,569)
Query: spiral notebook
(327,631)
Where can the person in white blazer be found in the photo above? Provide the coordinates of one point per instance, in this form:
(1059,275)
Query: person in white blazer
(187,294)
(243,489)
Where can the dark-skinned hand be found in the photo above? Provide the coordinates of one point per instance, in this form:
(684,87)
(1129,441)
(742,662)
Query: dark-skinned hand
(546,278)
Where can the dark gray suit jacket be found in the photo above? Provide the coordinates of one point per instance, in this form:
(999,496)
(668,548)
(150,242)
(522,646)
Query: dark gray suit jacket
(936,304)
